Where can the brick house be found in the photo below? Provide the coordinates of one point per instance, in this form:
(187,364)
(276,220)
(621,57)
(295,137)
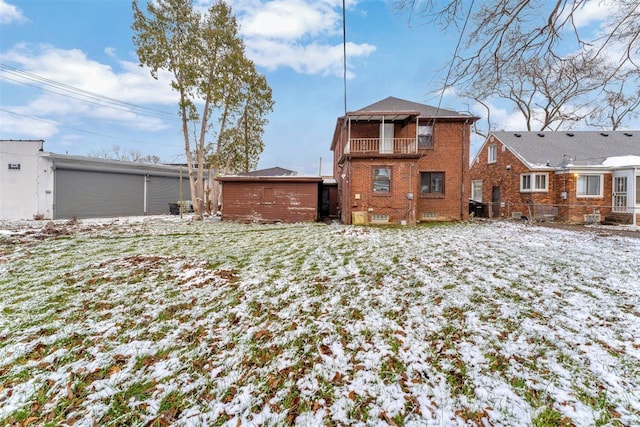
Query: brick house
(582,176)
(402,162)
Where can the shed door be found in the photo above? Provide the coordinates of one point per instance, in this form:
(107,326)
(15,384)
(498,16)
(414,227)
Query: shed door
(88,194)
(386,138)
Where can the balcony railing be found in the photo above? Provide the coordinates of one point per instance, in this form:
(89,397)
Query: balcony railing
(384,146)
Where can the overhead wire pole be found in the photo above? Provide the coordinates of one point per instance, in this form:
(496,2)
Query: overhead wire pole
(344,54)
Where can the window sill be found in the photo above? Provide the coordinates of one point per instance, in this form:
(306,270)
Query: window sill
(431,196)
(381,194)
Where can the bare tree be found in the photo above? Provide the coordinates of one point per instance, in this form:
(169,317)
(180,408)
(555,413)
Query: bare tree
(115,153)
(620,104)
(535,39)
(205,56)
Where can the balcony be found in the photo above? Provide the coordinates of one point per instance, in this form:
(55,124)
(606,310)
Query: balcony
(371,146)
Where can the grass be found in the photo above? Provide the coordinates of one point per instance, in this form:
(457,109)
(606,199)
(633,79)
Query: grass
(162,323)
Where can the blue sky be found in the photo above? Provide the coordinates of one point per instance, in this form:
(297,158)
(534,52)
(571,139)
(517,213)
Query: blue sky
(297,44)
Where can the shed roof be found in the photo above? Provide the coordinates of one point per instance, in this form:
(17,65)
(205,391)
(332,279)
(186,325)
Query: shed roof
(570,148)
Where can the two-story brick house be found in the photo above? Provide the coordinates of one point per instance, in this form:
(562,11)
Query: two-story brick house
(402,162)
(581,176)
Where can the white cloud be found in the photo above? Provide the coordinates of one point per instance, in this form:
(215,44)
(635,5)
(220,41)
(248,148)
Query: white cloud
(9,13)
(289,19)
(299,34)
(19,126)
(66,69)
(310,59)
(593,11)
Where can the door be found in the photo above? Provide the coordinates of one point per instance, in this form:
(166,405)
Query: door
(620,194)
(386,138)
(495,201)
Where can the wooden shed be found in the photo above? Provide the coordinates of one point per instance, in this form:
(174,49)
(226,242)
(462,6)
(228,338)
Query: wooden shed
(270,198)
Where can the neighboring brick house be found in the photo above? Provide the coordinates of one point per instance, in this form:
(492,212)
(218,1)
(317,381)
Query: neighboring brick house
(582,176)
(402,162)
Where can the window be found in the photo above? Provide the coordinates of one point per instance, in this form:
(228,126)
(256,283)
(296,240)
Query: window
(638,190)
(382,179)
(476,191)
(493,153)
(533,182)
(589,186)
(425,136)
(432,183)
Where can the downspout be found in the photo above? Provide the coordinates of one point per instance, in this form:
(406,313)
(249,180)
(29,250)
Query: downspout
(463,169)
(635,198)
(145,194)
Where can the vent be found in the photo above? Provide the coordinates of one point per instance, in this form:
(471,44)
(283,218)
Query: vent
(377,218)
(429,215)
(541,135)
(628,134)
(570,134)
(517,135)
(592,218)
(604,134)
(516,215)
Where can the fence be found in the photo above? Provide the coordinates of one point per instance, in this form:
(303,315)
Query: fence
(583,212)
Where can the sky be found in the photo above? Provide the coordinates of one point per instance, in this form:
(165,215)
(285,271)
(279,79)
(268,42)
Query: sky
(55,57)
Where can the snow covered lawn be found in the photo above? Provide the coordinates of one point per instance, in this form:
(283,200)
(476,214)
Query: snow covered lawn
(157,321)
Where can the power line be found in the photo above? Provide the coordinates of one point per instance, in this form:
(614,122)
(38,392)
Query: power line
(344,54)
(80,94)
(455,54)
(87,131)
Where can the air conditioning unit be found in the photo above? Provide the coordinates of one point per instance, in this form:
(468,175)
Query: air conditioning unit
(516,215)
(592,218)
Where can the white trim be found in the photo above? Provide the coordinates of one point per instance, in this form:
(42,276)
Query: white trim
(590,196)
(532,182)
(494,148)
(473,185)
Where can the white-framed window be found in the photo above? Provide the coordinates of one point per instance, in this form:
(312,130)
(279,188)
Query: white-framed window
(493,154)
(589,185)
(638,190)
(381,179)
(476,191)
(531,182)
(425,136)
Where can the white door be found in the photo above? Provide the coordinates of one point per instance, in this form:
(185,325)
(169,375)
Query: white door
(620,194)
(386,138)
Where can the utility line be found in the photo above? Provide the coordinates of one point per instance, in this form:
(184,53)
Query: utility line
(81,94)
(87,131)
(455,54)
(344,54)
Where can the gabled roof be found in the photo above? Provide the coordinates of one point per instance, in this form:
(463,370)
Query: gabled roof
(391,106)
(275,171)
(560,149)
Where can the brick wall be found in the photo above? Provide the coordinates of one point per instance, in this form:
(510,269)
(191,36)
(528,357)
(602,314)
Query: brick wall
(505,173)
(269,201)
(449,156)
